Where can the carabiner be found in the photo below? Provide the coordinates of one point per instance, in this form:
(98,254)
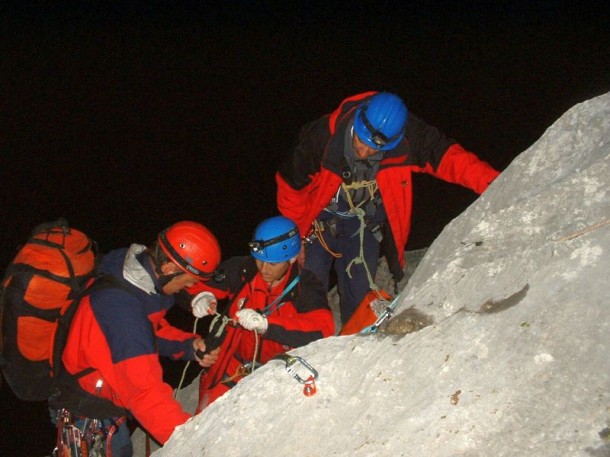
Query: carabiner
(292,365)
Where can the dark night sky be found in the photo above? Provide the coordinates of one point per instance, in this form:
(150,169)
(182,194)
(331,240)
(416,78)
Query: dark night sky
(125,119)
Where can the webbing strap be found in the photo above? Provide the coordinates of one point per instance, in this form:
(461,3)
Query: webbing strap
(275,304)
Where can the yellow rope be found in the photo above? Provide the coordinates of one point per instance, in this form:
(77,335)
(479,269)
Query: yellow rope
(372,187)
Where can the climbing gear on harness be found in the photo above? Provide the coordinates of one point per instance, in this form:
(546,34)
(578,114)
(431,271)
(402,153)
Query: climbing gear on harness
(92,439)
(363,210)
(317,230)
(301,370)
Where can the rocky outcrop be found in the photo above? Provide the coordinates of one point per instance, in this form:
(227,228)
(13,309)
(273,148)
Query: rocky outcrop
(511,358)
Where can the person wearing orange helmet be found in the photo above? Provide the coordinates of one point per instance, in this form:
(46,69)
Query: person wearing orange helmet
(111,358)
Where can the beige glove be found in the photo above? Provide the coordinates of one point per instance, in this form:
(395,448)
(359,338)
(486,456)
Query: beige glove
(204,304)
(252,320)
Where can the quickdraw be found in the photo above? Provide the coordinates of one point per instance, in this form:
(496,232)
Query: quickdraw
(302,371)
(386,315)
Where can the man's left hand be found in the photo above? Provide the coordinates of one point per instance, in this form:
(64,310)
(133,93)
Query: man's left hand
(208,359)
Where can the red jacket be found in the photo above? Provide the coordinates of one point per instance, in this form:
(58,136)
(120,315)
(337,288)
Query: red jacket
(304,316)
(311,175)
(119,332)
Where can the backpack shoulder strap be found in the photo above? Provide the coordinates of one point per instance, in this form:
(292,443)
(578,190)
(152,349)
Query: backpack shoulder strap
(99,282)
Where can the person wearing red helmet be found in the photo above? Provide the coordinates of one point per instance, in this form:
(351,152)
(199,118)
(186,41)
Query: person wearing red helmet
(347,184)
(111,358)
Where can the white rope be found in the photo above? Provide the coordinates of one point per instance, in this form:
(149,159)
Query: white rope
(187,364)
(256,343)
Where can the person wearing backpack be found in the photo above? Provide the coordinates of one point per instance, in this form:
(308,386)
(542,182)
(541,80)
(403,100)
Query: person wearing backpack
(347,184)
(274,306)
(119,331)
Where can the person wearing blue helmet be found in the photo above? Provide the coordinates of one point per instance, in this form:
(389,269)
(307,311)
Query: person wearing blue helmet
(274,306)
(347,185)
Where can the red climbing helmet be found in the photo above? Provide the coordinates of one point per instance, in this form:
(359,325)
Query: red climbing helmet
(192,247)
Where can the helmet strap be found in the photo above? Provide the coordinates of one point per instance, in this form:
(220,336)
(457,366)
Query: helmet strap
(159,258)
(164,280)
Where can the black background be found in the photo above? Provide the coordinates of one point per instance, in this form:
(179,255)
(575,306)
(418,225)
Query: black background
(126,117)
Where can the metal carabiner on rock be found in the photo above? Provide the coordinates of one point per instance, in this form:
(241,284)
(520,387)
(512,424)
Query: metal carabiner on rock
(293,363)
(292,368)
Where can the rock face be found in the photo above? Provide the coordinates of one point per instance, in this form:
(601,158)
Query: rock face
(512,354)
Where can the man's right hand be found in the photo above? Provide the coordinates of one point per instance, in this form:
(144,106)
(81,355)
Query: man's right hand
(204,304)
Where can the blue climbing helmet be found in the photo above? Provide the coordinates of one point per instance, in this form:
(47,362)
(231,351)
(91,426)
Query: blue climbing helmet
(380,122)
(275,240)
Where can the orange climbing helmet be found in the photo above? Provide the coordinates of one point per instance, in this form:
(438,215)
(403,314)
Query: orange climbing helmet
(192,247)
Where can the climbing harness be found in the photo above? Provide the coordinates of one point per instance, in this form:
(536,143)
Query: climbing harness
(301,370)
(355,210)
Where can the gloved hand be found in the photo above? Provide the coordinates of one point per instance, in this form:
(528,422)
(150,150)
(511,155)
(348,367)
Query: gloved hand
(204,304)
(251,320)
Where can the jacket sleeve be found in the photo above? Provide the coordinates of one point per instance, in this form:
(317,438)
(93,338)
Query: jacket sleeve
(311,320)
(174,343)
(139,384)
(465,168)
(445,159)
(119,342)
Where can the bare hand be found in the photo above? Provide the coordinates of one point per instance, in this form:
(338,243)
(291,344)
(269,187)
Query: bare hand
(208,359)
